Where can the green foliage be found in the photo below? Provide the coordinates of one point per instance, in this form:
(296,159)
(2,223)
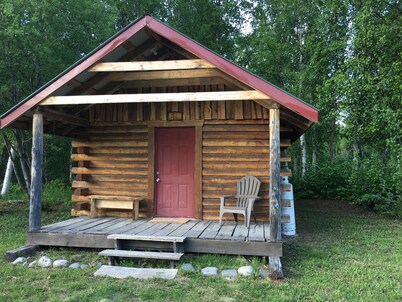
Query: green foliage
(330,180)
(56,193)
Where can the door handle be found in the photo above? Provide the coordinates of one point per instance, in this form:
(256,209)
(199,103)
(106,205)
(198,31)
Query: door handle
(158,179)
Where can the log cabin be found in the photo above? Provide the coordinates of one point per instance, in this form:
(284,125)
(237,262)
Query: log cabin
(162,127)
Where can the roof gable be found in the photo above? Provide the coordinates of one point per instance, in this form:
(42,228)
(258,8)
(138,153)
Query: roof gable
(110,47)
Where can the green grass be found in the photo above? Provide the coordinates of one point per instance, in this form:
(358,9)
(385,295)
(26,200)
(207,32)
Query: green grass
(341,253)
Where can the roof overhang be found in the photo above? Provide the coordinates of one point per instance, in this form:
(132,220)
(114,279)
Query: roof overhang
(107,51)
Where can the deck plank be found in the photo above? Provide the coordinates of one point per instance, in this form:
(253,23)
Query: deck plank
(181,230)
(126,224)
(256,232)
(87,226)
(60,224)
(196,230)
(153,229)
(167,230)
(211,231)
(240,233)
(75,225)
(137,229)
(226,231)
(129,227)
(99,227)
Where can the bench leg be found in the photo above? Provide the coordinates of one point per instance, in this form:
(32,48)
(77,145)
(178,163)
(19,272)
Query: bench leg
(94,212)
(136,209)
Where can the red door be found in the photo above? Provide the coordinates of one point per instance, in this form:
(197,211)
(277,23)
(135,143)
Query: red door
(175,155)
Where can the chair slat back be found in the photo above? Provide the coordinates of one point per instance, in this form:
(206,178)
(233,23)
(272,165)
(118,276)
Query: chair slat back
(246,187)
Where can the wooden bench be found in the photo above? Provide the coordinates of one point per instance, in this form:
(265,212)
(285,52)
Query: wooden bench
(115,202)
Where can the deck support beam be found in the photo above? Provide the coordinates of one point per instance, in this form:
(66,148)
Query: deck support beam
(274,189)
(35,194)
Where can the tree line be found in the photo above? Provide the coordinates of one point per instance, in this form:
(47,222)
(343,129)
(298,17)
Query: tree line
(341,56)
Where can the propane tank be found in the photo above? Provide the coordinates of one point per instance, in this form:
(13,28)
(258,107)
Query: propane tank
(288,209)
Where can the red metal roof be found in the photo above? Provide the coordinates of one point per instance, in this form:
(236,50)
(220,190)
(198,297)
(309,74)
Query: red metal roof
(167,32)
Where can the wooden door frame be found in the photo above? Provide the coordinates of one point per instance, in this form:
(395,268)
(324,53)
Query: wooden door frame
(197,125)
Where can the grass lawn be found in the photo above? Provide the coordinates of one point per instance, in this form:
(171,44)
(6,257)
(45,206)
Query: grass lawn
(341,253)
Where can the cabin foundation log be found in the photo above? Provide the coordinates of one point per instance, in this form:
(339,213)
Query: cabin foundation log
(35,201)
(274,190)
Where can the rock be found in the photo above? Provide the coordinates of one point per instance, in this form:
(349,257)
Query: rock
(33,263)
(44,261)
(74,265)
(188,268)
(84,266)
(60,263)
(209,271)
(246,270)
(229,273)
(263,273)
(19,260)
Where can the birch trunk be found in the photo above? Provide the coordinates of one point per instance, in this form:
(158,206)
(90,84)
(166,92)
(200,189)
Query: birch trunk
(8,174)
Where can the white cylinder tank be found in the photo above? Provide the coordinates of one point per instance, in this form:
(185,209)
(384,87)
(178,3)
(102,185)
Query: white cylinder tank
(288,208)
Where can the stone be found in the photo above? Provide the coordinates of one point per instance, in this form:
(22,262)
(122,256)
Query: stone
(188,268)
(209,271)
(19,260)
(44,261)
(84,266)
(60,263)
(33,263)
(246,270)
(263,273)
(229,273)
(121,272)
(74,265)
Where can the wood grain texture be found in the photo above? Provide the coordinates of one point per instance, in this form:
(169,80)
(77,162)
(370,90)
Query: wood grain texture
(35,201)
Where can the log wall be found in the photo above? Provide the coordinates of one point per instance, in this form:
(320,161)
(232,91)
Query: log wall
(112,155)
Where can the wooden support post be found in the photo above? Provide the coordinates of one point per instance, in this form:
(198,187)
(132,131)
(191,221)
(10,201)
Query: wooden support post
(274,189)
(35,194)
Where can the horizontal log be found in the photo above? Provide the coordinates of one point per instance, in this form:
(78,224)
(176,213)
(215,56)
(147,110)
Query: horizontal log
(230,158)
(77,144)
(116,129)
(161,75)
(131,193)
(111,150)
(107,185)
(236,135)
(237,128)
(117,165)
(234,143)
(241,143)
(86,171)
(235,150)
(154,97)
(75,198)
(150,65)
(84,157)
(236,165)
(240,173)
(238,122)
(114,137)
(173,82)
(119,178)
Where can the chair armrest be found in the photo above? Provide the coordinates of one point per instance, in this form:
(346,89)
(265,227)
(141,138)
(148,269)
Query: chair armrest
(222,198)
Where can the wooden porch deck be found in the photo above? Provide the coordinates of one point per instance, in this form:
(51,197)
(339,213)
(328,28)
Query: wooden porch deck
(203,236)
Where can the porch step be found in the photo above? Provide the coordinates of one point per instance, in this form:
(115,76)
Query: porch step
(141,254)
(132,272)
(146,238)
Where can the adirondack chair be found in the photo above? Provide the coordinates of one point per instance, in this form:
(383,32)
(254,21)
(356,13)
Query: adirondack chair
(247,190)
